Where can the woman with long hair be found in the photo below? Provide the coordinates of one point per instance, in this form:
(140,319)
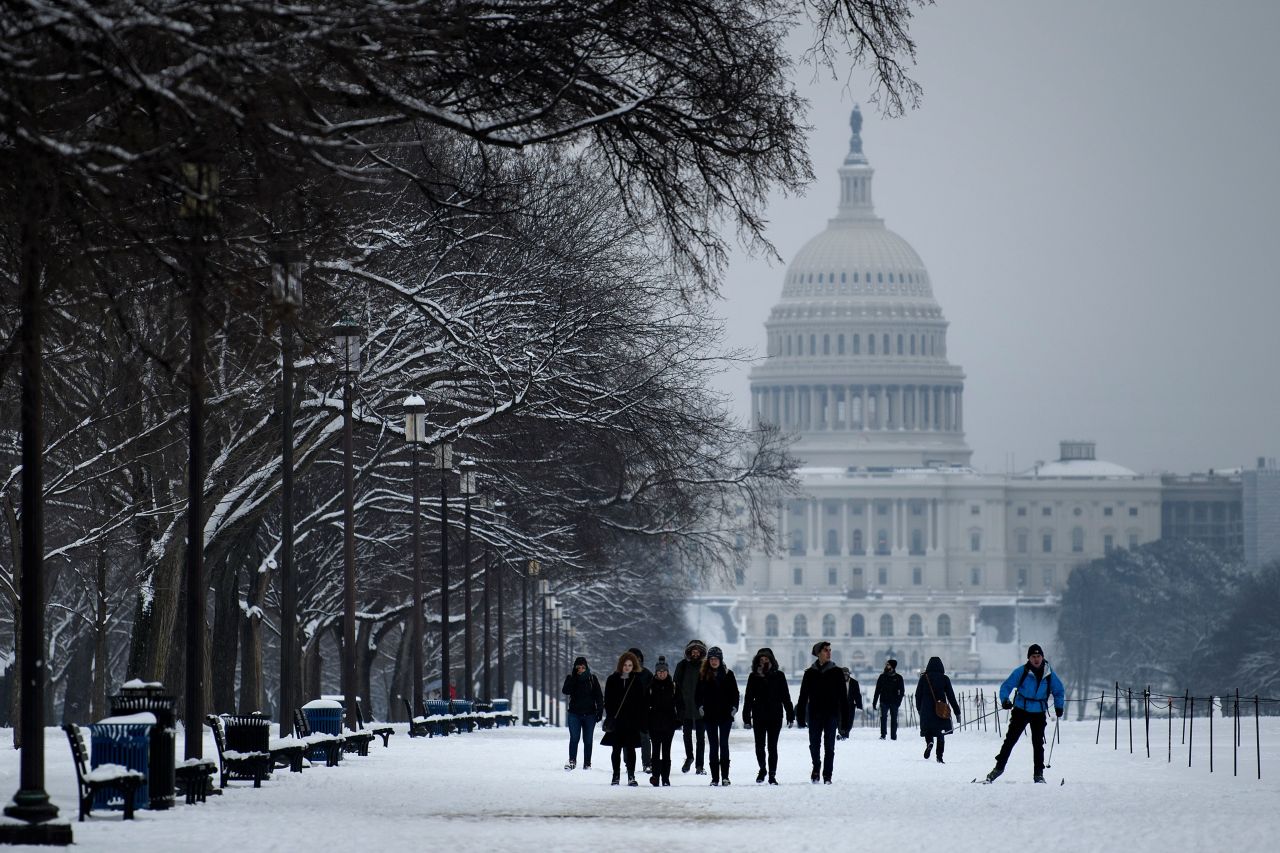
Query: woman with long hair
(717,697)
(625,708)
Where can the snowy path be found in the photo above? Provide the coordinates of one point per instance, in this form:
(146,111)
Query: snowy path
(506,791)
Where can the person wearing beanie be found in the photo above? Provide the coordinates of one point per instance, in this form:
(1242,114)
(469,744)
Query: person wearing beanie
(889,692)
(686,682)
(824,708)
(1033,682)
(625,715)
(646,677)
(663,714)
(766,701)
(855,700)
(585,704)
(934,688)
(717,697)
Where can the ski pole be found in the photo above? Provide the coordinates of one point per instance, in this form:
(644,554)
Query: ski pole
(1052,742)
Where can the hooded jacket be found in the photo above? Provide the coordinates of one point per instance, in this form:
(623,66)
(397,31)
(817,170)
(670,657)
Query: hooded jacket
(890,689)
(823,696)
(935,683)
(767,698)
(585,695)
(1034,688)
(686,679)
(718,696)
(662,709)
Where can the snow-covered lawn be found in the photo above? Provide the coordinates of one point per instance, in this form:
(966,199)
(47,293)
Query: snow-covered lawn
(505,791)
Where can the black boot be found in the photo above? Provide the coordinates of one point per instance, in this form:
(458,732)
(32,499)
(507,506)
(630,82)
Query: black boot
(928,748)
(760,776)
(688,762)
(816,775)
(995,773)
(772,779)
(941,745)
(724,772)
(666,772)
(615,778)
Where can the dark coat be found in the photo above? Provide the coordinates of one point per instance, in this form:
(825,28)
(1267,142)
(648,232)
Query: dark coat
(663,714)
(934,682)
(625,708)
(890,689)
(855,697)
(585,695)
(718,696)
(768,698)
(686,678)
(823,696)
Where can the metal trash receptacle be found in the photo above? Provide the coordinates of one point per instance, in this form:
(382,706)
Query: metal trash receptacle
(125,741)
(139,696)
(324,716)
(247,732)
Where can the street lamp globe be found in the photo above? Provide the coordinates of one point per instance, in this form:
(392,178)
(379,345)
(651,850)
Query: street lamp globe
(415,419)
(287,267)
(346,336)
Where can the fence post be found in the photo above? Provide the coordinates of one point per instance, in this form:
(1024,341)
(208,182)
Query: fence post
(1146,717)
(1169,760)
(1191,730)
(1185,695)
(1097,739)
(1257,734)
(1116,716)
(1129,708)
(1210,732)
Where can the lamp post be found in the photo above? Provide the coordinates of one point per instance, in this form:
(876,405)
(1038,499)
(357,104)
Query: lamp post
(442,462)
(346,338)
(200,181)
(467,488)
(502,635)
(415,432)
(557,614)
(546,602)
(486,647)
(287,267)
(531,571)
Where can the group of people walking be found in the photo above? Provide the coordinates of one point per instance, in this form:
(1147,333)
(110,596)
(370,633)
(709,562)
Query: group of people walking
(643,710)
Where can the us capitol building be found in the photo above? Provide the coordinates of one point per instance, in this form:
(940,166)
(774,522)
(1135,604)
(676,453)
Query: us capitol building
(894,545)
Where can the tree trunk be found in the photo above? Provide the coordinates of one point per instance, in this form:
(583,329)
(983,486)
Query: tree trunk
(251,681)
(76,706)
(156,623)
(226,635)
(15,551)
(101,661)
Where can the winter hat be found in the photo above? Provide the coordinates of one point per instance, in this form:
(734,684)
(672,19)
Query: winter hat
(695,644)
(817,647)
(714,652)
(1034,649)
(893,663)
(580,661)
(639,654)
(661,665)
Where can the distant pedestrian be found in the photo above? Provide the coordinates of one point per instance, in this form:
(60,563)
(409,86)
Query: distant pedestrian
(686,679)
(717,695)
(823,707)
(888,695)
(934,687)
(1034,681)
(663,714)
(624,715)
(766,703)
(585,705)
(645,678)
(855,700)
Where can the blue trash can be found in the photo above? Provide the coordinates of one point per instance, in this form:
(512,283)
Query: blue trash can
(502,706)
(126,741)
(324,716)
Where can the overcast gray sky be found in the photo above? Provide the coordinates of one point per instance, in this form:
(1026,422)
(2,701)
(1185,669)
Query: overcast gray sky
(1093,187)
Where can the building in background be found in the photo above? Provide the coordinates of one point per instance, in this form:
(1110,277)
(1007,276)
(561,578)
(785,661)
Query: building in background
(1261,487)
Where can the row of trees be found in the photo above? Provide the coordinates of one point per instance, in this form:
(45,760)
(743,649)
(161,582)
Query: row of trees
(522,206)
(1173,615)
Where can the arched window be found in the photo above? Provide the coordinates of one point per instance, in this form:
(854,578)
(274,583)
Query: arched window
(842,278)
(944,625)
(886,625)
(1077,539)
(801,628)
(885,341)
(915,626)
(857,345)
(771,625)
(813,345)
(882,541)
(833,542)
(915,660)
(899,344)
(828,626)
(839,344)
(917,542)
(826,345)
(857,626)
(857,542)
(797,541)
(871,344)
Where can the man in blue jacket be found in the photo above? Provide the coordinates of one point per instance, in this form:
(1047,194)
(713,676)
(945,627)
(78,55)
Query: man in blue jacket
(1033,681)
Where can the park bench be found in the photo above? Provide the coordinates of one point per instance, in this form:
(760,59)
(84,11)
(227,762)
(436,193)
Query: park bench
(384,732)
(287,752)
(317,742)
(107,777)
(248,765)
(418,726)
(193,778)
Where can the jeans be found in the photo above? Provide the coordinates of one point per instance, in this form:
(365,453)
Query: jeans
(823,732)
(767,735)
(662,753)
(890,711)
(580,726)
(646,749)
(689,727)
(617,760)
(1019,720)
(718,746)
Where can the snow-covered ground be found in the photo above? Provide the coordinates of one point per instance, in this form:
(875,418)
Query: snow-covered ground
(505,791)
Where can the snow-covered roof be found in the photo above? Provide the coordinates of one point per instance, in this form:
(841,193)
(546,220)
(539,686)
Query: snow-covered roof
(1094,468)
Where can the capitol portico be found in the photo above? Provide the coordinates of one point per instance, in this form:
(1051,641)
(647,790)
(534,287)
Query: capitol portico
(894,545)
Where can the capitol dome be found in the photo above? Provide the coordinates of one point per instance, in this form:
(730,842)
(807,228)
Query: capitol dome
(857,365)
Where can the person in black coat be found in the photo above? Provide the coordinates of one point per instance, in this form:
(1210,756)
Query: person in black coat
(663,719)
(766,701)
(889,692)
(824,708)
(624,715)
(686,679)
(855,700)
(585,704)
(934,686)
(645,678)
(717,697)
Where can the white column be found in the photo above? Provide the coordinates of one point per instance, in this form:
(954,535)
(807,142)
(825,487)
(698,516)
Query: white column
(808,526)
(844,528)
(813,407)
(864,393)
(959,410)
